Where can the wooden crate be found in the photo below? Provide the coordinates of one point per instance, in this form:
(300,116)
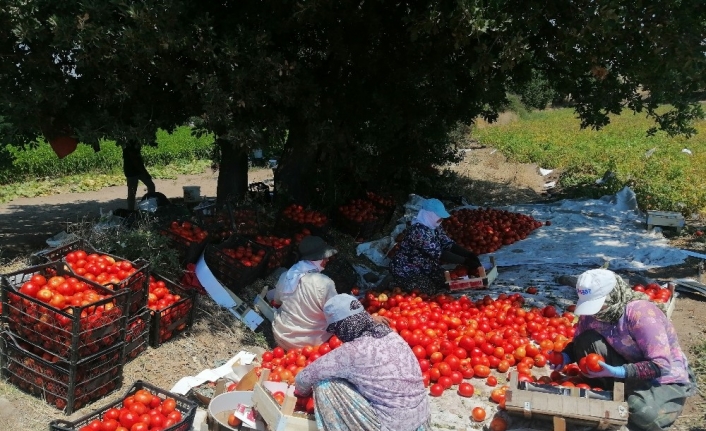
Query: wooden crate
(571,408)
(279,418)
(475,283)
(665,218)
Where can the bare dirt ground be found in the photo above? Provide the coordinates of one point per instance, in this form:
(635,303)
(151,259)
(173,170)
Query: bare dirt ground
(486,178)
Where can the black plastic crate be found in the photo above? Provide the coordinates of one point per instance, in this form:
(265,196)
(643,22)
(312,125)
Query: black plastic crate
(73,332)
(186,407)
(189,250)
(342,273)
(63,385)
(279,255)
(137,335)
(228,268)
(136,283)
(176,318)
(217,219)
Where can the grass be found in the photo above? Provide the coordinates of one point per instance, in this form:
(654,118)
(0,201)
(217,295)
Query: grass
(655,167)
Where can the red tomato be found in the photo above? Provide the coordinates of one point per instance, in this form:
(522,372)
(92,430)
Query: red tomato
(592,360)
(491,381)
(478,414)
(127,419)
(110,424)
(446,381)
(436,390)
(140,426)
(466,390)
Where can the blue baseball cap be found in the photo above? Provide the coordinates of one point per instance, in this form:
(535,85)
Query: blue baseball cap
(435,206)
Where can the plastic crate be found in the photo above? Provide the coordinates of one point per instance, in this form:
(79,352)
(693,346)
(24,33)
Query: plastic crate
(135,283)
(216,219)
(231,271)
(137,335)
(66,386)
(186,407)
(189,251)
(176,318)
(277,257)
(71,333)
(342,273)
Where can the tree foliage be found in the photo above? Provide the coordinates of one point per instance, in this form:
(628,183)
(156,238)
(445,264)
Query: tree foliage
(363,94)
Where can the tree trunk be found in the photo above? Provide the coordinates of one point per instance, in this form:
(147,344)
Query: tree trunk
(232,172)
(296,173)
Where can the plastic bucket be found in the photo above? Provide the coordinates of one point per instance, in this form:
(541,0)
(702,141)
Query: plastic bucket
(223,405)
(192,194)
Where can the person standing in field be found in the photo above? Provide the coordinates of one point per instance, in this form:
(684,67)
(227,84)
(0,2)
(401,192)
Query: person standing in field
(135,171)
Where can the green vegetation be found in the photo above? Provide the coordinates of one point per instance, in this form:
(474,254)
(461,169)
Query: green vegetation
(665,179)
(21,164)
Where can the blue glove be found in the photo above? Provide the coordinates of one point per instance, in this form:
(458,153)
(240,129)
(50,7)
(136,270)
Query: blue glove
(558,367)
(608,371)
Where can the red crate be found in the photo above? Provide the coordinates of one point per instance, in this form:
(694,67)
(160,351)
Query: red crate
(70,333)
(174,319)
(66,386)
(137,335)
(231,271)
(135,283)
(186,407)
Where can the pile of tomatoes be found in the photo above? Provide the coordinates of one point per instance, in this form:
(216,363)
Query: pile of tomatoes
(285,366)
(141,411)
(299,215)
(245,255)
(188,232)
(53,382)
(654,291)
(173,309)
(486,230)
(47,318)
(101,268)
(458,339)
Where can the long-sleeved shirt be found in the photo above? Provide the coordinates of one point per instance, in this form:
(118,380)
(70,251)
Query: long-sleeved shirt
(300,320)
(643,334)
(384,370)
(420,251)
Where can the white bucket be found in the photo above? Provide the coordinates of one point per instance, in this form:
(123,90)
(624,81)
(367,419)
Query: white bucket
(192,194)
(223,405)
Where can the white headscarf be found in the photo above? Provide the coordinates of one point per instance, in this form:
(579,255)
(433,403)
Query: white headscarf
(428,219)
(289,281)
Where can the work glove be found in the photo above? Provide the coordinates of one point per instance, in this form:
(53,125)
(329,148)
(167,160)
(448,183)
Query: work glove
(608,371)
(554,364)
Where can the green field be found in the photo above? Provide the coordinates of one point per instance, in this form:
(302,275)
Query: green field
(668,179)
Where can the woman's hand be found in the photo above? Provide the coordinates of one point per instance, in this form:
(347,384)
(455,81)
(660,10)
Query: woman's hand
(381,319)
(608,371)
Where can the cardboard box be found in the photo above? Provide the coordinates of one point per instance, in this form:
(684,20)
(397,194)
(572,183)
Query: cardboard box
(280,418)
(475,283)
(582,410)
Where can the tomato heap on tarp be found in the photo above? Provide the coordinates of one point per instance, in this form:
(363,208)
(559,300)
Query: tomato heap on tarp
(484,230)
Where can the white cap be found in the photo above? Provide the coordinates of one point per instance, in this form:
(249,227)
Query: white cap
(341,306)
(593,287)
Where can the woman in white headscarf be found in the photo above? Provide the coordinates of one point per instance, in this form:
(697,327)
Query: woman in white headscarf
(417,264)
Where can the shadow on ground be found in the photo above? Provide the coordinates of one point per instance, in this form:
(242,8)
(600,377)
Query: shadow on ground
(25,228)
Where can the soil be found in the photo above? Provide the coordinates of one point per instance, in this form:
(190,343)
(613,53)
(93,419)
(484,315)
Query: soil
(486,177)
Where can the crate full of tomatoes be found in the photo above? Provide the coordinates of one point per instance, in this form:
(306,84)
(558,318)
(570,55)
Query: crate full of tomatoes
(173,309)
(187,237)
(137,335)
(66,315)
(144,407)
(216,219)
(237,262)
(279,247)
(103,268)
(295,217)
(360,218)
(64,385)
(659,294)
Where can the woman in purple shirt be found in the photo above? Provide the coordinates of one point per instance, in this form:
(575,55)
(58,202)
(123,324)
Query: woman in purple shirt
(639,344)
(370,383)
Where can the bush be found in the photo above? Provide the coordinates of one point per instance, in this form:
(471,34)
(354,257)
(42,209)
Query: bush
(19,164)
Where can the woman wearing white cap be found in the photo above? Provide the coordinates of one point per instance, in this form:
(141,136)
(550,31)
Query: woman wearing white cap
(639,344)
(371,382)
(417,264)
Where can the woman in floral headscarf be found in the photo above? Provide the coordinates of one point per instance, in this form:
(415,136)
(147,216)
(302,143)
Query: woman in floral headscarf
(639,344)
(371,382)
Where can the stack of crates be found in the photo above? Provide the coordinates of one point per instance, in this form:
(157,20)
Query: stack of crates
(70,355)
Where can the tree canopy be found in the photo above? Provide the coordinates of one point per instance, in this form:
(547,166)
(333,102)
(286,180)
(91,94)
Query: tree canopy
(362,94)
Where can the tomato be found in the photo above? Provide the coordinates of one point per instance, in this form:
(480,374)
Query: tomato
(466,390)
(456,377)
(175,416)
(497,395)
(278,352)
(45,295)
(592,360)
(453,362)
(481,371)
(478,414)
(233,421)
(436,390)
(168,406)
(140,426)
(446,382)
(268,356)
(419,351)
(110,424)
(127,419)
(157,420)
(334,342)
(111,414)
(498,423)
(491,381)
